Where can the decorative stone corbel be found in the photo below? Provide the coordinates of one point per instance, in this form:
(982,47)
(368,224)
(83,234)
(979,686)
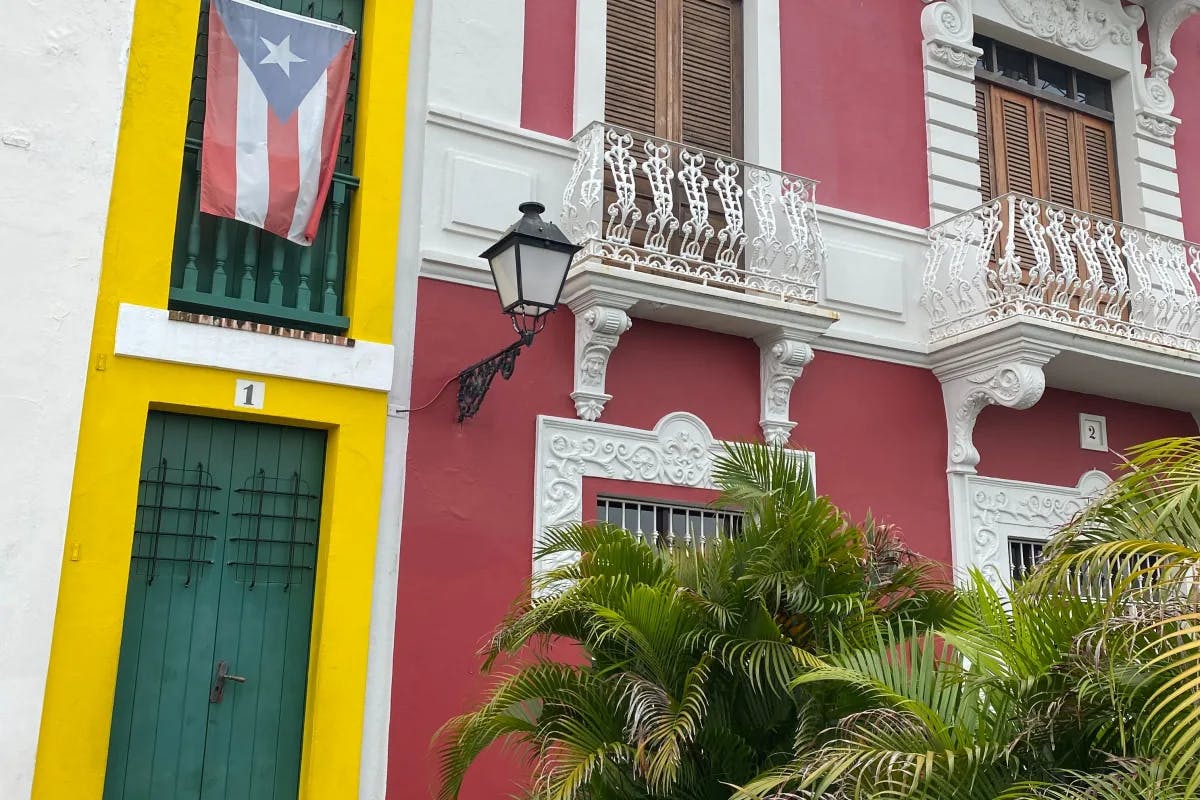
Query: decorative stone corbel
(1156,100)
(1014,380)
(782,358)
(1163,18)
(948,30)
(598,328)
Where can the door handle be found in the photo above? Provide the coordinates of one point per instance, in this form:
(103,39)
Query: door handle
(218,688)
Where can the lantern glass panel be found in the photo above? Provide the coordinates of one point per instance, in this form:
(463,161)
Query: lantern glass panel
(504,271)
(542,271)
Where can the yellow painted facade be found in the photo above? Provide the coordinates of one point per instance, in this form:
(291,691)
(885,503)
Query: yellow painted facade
(120,391)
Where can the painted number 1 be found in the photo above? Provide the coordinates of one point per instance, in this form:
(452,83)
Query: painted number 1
(249,394)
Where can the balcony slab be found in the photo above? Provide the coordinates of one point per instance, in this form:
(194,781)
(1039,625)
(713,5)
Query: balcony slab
(1089,362)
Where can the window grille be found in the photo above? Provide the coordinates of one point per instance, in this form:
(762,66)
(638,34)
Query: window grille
(668,525)
(1025,554)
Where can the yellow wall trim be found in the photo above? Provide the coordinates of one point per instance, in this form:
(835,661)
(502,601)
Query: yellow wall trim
(120,391)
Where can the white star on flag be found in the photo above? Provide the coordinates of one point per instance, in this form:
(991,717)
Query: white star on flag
(281,55)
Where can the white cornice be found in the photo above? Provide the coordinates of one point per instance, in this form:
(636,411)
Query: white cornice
(500,131)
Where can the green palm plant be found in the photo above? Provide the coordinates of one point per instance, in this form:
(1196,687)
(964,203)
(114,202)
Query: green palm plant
(1081,682)
(687,686)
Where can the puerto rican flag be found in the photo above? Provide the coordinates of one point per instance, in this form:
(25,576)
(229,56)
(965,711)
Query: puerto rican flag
(275,98)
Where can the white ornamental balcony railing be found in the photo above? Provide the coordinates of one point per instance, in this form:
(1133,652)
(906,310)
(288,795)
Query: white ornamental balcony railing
(657,206)
(1020,256)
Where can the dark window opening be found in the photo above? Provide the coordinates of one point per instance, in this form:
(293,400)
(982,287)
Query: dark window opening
(669,525)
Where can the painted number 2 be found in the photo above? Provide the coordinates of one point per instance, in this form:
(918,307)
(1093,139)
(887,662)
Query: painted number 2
(249,394)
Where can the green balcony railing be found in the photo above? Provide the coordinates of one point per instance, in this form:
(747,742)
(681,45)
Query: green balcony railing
(230,269)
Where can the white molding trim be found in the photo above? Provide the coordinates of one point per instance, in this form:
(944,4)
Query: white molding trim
(1098,34)
(762,87)
(998,509)
(149,333)
(949,68)
(488,128)
(678,451)
(591,36)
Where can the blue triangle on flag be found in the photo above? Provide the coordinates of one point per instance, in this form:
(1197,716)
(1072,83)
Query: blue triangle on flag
(296,51)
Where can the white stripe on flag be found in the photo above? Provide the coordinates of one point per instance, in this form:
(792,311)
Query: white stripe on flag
(253,166)
(310,124)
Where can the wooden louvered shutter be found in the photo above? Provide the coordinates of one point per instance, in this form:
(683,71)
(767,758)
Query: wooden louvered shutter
(1058,156)
(710,102)
(983,128)
(632,49)
(1015,145)
(1098,174)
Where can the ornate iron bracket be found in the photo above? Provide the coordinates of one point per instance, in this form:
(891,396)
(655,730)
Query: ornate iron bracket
(475,380)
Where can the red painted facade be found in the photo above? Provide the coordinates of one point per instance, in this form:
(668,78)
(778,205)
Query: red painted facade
(878,429)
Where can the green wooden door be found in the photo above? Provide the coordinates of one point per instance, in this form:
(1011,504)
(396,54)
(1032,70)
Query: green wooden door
(222,569)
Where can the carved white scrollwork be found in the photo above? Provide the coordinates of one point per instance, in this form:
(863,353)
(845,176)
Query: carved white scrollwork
(598,328)
(1076,24)
(948,29)
(679,451)
(782,358)
(1001,510)
(1016,381)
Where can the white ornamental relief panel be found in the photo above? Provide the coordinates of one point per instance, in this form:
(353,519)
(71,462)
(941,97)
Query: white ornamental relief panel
(1001,510)
(678,451)
(1076,24)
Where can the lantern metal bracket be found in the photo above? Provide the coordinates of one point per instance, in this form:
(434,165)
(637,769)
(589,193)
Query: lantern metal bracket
(475,380)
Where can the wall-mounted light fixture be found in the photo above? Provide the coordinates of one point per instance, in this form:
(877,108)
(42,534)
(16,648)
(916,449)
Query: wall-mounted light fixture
(529,266)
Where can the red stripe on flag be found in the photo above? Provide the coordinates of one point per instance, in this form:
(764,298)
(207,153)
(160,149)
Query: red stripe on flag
(337,82)
(283,156)
(218,174)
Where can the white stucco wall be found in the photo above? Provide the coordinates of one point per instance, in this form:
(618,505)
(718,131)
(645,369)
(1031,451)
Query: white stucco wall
(63,67)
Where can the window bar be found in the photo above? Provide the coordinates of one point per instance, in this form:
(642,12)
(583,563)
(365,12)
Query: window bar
(193,241)
(303,292)
(250,262)
(262,493)
(331,250)
(287,582)
(219,281)
(158,512)
(195,523)
(275,296)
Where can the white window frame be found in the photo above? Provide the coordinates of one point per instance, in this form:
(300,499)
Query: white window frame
(762,79)
(678,451)
(1100,37)
(1002,509)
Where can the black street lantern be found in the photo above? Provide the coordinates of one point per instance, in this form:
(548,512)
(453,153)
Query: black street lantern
(529,266)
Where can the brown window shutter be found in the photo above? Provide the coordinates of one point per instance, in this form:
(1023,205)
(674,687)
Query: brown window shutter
(631,65)
(711,75)
(1099,173)
(1059,156)
(1015,143)
(984,133)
